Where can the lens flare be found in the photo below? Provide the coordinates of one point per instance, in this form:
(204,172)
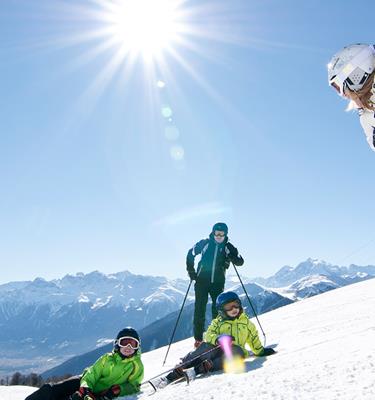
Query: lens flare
(225,342)
(232,364)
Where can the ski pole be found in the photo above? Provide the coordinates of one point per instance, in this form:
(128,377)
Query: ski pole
(251,305)
(182,365)
(178,319)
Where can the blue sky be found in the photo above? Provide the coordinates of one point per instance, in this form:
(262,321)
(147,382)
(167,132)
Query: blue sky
(101,168)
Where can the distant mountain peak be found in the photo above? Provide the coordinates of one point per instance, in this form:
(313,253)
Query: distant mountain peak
(314,266)
(313,262)
(316,260)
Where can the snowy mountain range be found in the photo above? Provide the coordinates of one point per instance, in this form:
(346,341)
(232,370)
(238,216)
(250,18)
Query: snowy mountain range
(43,323)
(325,350)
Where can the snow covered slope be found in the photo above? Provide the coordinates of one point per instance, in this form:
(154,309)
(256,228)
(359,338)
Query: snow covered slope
(15,392)
(326,350)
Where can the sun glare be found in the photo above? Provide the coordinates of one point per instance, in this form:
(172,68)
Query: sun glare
(159,43)
(157,35)
(145,26)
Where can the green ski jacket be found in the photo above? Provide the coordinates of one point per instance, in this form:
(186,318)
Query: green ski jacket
(241,329)
(111,369)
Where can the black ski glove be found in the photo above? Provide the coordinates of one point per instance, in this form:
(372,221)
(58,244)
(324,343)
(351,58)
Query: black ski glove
(233,255)
(192,275)
(233,252)
(83,393)
(111,393)
(267,351)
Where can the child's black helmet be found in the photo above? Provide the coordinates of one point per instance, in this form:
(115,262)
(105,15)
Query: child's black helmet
(128,331)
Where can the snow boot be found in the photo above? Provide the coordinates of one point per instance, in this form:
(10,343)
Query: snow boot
(204,367)
(160,382)
(190,374)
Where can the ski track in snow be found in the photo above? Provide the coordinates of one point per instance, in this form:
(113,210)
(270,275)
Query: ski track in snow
(326,350)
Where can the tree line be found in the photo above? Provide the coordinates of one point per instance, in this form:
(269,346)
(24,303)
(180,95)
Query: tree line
(32,379)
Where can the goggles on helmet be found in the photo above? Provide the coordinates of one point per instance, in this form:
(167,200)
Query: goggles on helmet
(230,306)
(127,341)
(351,72)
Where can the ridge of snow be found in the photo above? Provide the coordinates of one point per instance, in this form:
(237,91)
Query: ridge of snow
(311,280)
(321,342)
(101,302)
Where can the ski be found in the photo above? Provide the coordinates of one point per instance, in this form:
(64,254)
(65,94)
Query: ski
(186,376)
(155,388)
(149,381)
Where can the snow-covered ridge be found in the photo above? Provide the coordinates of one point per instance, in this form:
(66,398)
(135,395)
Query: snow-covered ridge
(325,351)
(94,287)
(310,286)
(311,267)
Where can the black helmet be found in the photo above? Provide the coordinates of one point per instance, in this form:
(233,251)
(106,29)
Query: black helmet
(127,332)
(220,226)
(225,298)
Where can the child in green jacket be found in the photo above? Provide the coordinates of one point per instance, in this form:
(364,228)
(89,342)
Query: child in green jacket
(231,322)
(114,374)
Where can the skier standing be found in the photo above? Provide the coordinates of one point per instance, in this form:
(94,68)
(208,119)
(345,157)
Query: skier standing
(351,72)
(232,322)
(216,254)
(114,374)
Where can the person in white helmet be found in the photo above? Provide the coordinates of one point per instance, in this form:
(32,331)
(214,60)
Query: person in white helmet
(351,72)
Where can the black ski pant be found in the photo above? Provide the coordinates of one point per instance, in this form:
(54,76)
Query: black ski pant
(57,391)
(202,290)
(215,356)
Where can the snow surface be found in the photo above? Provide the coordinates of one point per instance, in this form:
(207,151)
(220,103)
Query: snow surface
(326,350)
(15,392)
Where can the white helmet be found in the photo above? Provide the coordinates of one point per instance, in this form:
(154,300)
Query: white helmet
(351,67)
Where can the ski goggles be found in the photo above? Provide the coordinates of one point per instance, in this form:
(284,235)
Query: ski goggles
(128,341)
(230,307)
(219,234)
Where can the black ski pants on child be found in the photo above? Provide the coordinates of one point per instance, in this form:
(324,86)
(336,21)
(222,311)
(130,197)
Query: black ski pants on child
(57,391)
(215,356)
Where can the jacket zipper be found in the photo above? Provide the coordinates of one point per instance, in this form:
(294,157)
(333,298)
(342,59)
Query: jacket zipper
(214,264)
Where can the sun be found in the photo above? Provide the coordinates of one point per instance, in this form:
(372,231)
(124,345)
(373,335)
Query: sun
(124,38)
(146,27)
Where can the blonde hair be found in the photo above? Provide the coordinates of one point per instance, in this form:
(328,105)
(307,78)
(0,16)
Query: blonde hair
(362,98)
